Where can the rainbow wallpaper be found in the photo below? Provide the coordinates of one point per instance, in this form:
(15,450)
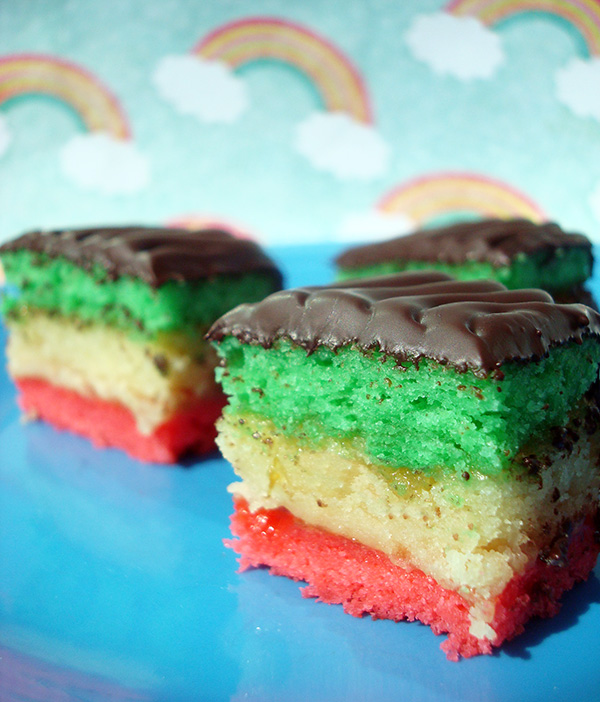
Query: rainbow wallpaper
(295,122)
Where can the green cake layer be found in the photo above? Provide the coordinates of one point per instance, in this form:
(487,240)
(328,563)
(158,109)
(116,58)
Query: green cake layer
(58,286)
(566,270)
(420,417)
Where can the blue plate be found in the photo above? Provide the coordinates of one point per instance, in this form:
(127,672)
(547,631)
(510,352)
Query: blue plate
(115,585)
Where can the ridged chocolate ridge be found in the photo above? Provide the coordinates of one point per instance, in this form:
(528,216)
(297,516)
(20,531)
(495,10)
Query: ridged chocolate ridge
(477,325)
(494,241)
(155,255)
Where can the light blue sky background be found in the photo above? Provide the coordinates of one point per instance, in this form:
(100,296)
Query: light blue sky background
(510,127)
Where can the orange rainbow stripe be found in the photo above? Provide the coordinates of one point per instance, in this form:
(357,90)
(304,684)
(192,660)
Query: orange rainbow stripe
(427,197)
(584,15)
(339,83)
(37,74)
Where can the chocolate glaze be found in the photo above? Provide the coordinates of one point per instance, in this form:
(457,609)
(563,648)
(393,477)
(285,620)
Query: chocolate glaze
(155,255)
(477,325)
(494,241)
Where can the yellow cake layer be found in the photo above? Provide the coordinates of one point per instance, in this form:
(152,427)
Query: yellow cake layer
(153,379)
(471,535)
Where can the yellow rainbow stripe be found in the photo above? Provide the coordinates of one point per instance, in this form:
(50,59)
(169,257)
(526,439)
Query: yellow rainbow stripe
(584,15)
(338,82)
(35,74)
(427,197)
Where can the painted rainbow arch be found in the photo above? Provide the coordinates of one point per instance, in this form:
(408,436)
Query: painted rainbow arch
(337,80)
(38,74)
(427,197)
(583,15)
(208,221)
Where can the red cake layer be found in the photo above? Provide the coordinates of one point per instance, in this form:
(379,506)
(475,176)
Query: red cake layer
(111,424)
(365,581)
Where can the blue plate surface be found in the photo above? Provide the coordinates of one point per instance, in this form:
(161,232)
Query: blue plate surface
(115,585)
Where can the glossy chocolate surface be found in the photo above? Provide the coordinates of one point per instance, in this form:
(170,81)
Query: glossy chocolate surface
(155,255)
(477,325)
(493,241)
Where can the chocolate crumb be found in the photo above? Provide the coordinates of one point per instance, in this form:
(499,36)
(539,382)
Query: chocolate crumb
(564,438)
(535,465)
(557,553)
(591,421)
(161,363)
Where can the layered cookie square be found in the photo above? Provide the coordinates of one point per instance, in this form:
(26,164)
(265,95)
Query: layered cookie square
(106,330)
(414,447)
(516,252)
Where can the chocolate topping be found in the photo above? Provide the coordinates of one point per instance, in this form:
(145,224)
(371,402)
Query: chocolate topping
(494,241)
(477,325)
(155,255)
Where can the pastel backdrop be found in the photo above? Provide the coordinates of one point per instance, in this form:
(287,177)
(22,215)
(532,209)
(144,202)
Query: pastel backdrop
(299,122)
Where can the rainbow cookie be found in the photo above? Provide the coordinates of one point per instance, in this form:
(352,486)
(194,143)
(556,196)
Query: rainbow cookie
(106,330)
(516,252)
(415,447)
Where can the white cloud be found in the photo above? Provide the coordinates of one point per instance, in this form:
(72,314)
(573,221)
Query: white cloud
(373,226)
(208,90)
(5,136)
(99,162)
(336,143)
(462,47)
(578,86)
